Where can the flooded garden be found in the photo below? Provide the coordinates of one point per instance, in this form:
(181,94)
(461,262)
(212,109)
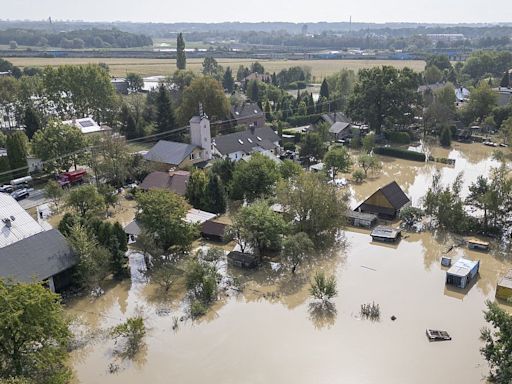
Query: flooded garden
(267,329)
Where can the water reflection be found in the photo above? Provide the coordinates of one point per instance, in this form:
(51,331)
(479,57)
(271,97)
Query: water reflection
(322,315)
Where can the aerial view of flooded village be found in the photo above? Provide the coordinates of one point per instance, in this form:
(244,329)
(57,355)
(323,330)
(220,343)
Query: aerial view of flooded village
(277,196)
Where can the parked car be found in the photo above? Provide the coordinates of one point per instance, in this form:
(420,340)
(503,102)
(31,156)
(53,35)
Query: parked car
(20,194)
(7,188)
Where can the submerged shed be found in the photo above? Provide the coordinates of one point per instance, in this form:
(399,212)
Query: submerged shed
(386,202)
(386,234)
(462,272)
(360,219)
(242,260)
(504,288)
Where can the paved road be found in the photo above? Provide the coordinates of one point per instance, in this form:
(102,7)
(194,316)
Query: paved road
(35,198)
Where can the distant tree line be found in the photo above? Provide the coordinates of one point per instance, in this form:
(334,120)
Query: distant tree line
(77,39)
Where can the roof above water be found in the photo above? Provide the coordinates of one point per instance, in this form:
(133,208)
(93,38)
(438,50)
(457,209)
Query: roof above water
(462,267)
(385,232)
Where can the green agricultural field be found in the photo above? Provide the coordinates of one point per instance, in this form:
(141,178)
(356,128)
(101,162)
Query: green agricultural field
(151,67)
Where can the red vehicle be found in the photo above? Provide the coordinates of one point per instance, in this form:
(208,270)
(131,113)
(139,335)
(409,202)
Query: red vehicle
(67,179)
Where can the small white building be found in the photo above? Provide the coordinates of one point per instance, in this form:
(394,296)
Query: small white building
(88,126)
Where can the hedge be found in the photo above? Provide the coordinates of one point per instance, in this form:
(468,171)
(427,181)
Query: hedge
(400,153)
(398,137)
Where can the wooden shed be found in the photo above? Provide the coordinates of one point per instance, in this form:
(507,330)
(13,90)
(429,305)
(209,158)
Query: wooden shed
(360,219)
(386,202)
(504,288)
(462,273)
(214,230)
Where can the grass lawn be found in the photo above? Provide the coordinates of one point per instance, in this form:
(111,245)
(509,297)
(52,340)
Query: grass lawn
(151,67)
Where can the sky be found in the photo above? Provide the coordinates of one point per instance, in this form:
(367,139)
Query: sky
(431,11)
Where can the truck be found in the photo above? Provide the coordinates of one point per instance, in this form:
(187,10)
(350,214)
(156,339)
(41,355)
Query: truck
(67,179)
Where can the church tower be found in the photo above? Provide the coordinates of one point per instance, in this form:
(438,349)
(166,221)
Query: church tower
(200,134)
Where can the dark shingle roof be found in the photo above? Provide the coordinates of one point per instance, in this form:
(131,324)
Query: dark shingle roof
(395,195)
(246,110)
(245,141)
(173,181)
(169,152)
(213,228)
(37,257)
(333,117)
(338,127)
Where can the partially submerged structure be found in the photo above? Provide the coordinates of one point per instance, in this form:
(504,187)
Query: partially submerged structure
(479,245)
(386,234)
(30,251)
(242,260)
(214,230)
(504,288)
(360,219)
(386,202)
(462,273)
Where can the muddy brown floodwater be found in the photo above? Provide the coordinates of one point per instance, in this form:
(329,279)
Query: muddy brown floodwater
(270,333)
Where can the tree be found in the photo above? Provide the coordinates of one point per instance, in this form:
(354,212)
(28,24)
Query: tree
(324,90)
(34,334)
(60,146)
(313,146)
(111,160)
(481,102)
(260,226)
(224,168)
(165,120)
(296,247)
(135,82)
(384,96)
(254,179)
(216,194)
(54,192)
(368,162)
(212,68)
(358,176)
(289,169)
(17,151)
(440,61)
(209,93)
(128,124)
(256,67)
(446,136)
(505,80)
(253,91)
(161,213)
(433,74)
(181,58)
(197,190)
(498,344)
(411,215)
(313,206)
(86,201)
(201,279)
(228,83)
(133,331)
(323,288)
(336,160)
(94,261)
(368,142)
(32,121)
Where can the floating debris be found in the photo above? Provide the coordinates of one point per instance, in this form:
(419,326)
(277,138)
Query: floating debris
(370,311)
(393,318)
(436,335)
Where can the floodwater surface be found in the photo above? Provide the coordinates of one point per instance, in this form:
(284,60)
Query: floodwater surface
(272,332)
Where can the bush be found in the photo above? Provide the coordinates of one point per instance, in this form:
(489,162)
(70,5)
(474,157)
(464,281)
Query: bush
(323,288)
(411,215)
(298,121)
(398,137)
(358,175)
(133,331)
(400,153)
(445,139)
(289,146)
(197,309)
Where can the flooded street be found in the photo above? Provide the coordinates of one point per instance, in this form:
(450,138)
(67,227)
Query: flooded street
(270,333)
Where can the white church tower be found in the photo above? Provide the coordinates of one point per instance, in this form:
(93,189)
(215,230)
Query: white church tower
(200,134)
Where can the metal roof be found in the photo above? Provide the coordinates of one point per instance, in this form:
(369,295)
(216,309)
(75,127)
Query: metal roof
(246,141)
(15,223)
(169,152)
(196,216)
(385,232)
(339,127)
(37,257)
(462,267)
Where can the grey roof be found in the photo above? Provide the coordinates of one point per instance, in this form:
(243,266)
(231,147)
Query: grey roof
(385,232)
(360,215)
(432,87)
(245,141)
(338,127)
(333,117)
(132,229)
(169,152)
(246,110)
(463,267)
(173,181)
(395,195)
(37,257)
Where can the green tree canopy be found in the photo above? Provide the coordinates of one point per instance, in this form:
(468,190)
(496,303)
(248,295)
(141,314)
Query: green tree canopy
(165,119)
(181,57)
(34,334)
(17,151)
(337,159)
(86,201)
(135,82)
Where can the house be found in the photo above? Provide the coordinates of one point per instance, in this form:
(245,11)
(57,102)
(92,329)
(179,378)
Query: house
(242,260)
(386,202)
(30,251)
(360,219)
(240,144)
(504,96)
(334,117)
(504,288)
(88,126)
(340,130)
(120,84)
(462,272)
(248,114)
(214,231)
(386,234)
(169,154)
(174,181)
